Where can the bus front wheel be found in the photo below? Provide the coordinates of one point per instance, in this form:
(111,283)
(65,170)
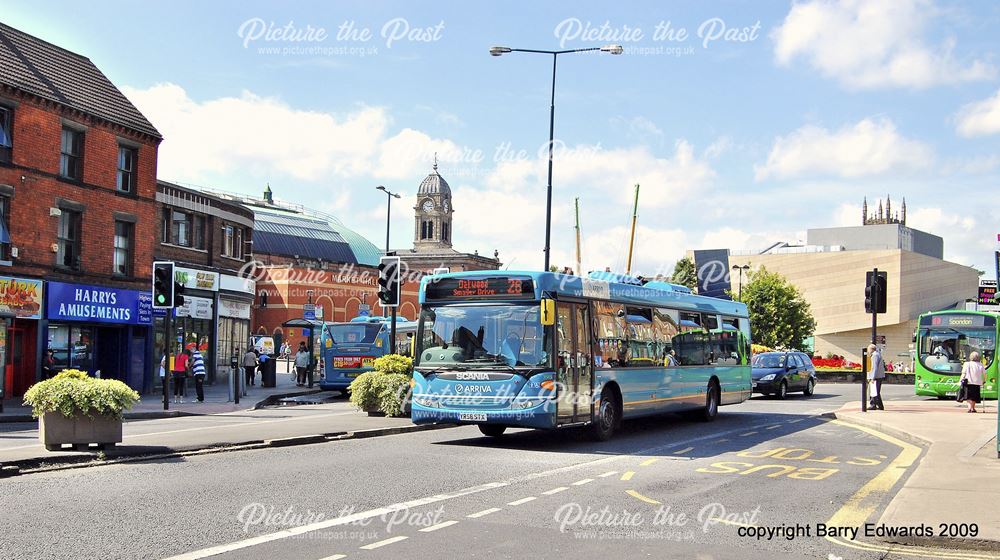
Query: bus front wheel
(607,417)
(492,430)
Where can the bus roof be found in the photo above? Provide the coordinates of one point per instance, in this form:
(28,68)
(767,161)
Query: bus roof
(555,285)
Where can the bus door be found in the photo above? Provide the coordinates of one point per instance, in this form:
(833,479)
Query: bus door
(573,363)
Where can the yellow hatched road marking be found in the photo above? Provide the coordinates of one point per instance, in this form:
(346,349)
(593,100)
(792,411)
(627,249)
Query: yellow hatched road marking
(628,475)
(639,496)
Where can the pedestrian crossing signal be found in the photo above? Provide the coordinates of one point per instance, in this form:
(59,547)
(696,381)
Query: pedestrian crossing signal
(389,281)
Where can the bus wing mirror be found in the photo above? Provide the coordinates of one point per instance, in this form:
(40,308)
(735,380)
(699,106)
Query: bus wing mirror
(548,312)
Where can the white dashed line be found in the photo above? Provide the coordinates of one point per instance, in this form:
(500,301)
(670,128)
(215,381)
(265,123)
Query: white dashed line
(522,501)
(773,427)
(334,557)
(555,490)
(607,474)
(747,434)
(483,513)
(682,451)
(438,526)
(582,482)
(386,542)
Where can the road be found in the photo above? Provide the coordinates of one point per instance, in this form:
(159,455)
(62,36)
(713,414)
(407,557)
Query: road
(664,487)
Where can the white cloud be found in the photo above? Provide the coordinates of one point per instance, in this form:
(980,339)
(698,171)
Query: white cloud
(980,118)
(967,235)
(871,44)
(869,147)
(267,136)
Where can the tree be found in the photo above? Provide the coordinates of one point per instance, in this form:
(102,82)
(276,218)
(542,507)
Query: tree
(684,273)
(779,316)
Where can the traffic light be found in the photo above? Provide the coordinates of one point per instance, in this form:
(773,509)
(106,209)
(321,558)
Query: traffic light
(178,294)
(389,281)
(163,285)
(876,286)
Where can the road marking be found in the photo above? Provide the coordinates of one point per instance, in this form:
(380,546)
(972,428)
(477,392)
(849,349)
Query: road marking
(795,420)
(859,507)
(748,434)
(380,544)
(555,490)
(628,475)
(773,427)
(639,496)
(334,557)
(483,513)
(648,462)
(607,474)
(360,516)
(721,440)
(582,482)
(438,526)
(682,451)
(906,550)
(522,501)
(728,522)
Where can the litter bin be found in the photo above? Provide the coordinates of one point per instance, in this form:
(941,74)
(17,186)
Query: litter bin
(268,369)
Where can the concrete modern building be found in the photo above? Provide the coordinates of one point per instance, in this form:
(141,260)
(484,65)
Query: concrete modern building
(830,271)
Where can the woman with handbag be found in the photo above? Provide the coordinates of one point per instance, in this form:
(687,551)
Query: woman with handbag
(971,380)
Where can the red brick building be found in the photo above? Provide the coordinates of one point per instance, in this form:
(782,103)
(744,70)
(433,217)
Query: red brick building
(78,217)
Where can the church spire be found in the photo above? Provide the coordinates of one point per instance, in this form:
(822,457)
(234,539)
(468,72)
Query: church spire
(864,212)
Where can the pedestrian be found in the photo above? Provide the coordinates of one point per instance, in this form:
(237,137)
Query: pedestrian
(249,365)
(48,364)
(180,375)
(301,363)
(971,380)
(876,374)
(198,370)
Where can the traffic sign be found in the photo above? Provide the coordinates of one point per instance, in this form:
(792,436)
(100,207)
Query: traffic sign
(309,311)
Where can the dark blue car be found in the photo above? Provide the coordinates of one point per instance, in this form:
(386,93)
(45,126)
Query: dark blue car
(778,373)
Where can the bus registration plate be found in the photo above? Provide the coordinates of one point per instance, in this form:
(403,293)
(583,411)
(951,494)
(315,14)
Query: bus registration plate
(472,416)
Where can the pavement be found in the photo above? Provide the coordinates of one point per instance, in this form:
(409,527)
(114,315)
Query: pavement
(218,399)
(957,480)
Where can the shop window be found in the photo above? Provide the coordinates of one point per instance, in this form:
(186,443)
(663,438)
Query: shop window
(68,242)
(71,154)
(123,249)
(127,157)
(72,347)
(6,134)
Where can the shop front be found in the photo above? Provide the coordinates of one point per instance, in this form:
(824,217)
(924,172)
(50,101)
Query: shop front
(20,310)
(235,304)
(103,331)
(194,323)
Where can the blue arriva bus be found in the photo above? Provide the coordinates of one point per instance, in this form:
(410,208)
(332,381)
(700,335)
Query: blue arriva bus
(350,349)
(542,350)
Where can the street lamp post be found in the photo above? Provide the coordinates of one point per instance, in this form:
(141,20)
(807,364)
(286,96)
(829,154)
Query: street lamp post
(498,51)
(388,212)
(741,268)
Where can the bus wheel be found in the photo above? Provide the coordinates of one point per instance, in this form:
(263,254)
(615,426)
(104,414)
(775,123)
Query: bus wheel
(607,417)
(711,402)
(492,430)
(810,388)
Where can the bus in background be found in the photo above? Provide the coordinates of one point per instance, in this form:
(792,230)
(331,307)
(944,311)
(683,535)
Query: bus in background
(944,340)
(350,349)
(546,350)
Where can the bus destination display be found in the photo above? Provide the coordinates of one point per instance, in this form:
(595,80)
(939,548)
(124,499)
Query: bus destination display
(494,287)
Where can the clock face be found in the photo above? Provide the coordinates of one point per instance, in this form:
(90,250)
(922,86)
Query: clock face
(428,206)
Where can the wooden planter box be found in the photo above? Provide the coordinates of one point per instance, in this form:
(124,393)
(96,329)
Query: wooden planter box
(56,430)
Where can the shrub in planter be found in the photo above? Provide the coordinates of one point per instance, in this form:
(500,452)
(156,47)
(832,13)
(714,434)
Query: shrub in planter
(384,389)
(74,408)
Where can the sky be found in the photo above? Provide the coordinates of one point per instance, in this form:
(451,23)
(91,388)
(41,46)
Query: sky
(744,123)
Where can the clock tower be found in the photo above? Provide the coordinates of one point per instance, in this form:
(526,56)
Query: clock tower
(433,213)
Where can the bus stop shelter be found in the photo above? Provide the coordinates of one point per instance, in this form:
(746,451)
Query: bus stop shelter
(314,327)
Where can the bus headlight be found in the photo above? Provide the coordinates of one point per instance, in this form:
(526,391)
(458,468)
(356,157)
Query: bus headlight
(526,403)
(427,402)
(768,377)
